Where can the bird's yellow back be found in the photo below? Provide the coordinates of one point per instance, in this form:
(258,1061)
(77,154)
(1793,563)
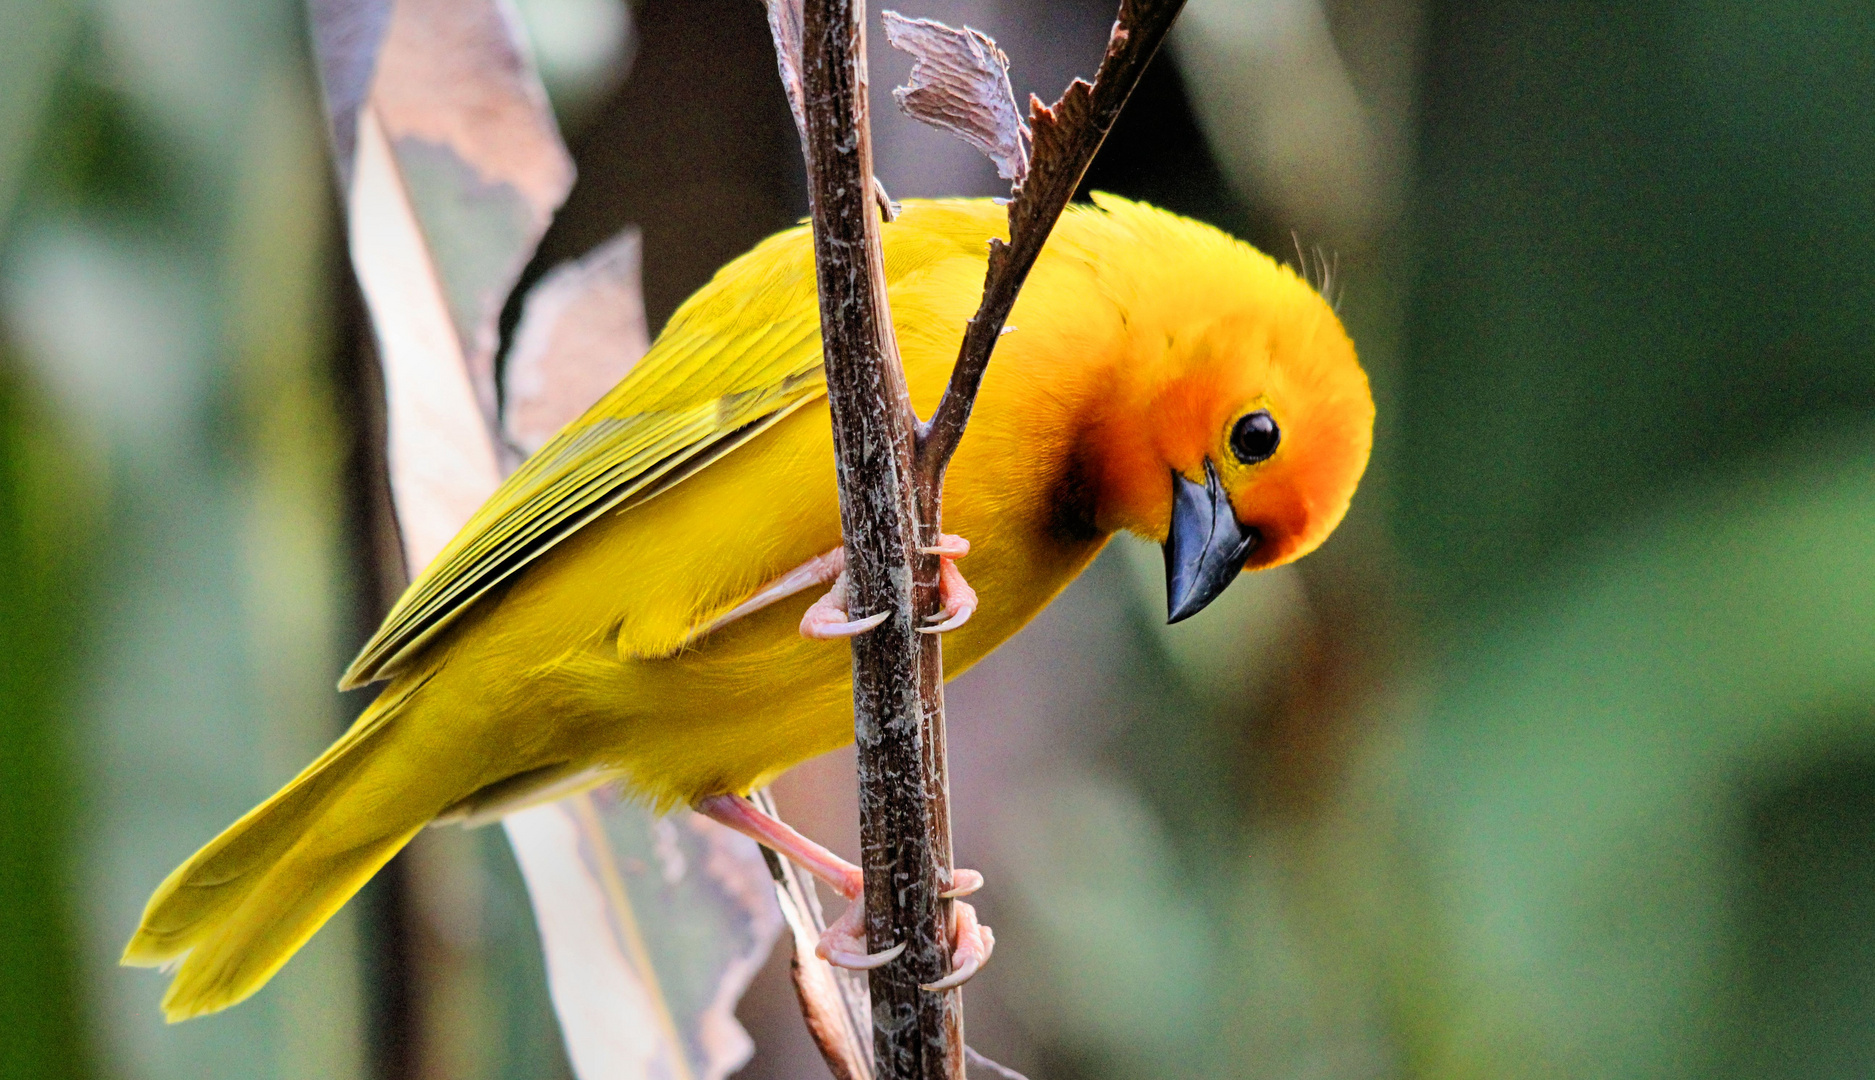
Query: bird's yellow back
(559,639)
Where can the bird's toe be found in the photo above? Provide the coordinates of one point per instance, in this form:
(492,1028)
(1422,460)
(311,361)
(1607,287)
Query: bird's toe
(974,944)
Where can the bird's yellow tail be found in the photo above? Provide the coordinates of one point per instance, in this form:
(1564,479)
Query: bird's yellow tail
(245,903)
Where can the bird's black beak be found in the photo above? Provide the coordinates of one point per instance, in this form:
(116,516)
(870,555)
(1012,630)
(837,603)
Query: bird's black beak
(1206,546)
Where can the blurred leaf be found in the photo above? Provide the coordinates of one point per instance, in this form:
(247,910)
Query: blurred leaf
(583,47)
(347,35)
(443,461)
(582,329)
(1576,814)
(652,929)
(1282,113)
(1130,963)
(1624,281)
(453,171)
(43,523)
(37,33)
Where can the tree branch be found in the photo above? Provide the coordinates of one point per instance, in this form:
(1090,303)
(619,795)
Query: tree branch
(890,468)
(897,672)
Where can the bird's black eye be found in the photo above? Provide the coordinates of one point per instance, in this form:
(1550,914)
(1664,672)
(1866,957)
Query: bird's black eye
(1255,437)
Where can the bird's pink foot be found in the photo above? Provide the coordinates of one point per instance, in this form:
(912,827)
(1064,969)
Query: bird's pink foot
(843,943)
(827,620)
(971,946)
(957,600)
(963,883)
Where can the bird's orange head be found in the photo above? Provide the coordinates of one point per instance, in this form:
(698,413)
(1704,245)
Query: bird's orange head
(1240,421)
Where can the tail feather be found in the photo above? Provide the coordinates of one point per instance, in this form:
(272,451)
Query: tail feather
(245,903)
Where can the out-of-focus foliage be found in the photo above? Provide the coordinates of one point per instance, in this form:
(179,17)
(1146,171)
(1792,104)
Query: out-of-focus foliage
(1646,271)
(1608,807)
(1644,255)
(583,49)
(165,318)
(42,557)
(42,512)
(1638,817)
(1558,760)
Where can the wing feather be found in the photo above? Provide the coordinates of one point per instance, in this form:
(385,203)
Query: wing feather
(698,395)
(740,355)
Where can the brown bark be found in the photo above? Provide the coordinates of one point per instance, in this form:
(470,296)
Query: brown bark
(897,672)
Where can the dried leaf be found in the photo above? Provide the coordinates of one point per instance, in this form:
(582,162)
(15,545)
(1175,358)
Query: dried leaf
(473,146)
(346,37)
(834,1002)
(453,169)
(1064,138)
(960,82)
(442,459)
(652,928)
(582,329)
(784,25)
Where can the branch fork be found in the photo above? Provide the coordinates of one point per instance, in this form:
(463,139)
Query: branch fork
(891,465)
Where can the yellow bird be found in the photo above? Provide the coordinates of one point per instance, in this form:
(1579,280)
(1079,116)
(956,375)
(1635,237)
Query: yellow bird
(630,606)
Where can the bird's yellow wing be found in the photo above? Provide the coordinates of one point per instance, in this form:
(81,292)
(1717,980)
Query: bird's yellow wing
(737,357)
(742,354)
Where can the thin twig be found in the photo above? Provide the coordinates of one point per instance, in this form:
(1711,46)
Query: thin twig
(897,672)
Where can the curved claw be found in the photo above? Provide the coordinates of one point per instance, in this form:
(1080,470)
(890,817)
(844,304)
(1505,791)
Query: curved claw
(963,883)
(843,943)
(959,975)
(975,943)
(949,624)
(858,961)
(960,600)
(829,629)
(826,619)
(949,545)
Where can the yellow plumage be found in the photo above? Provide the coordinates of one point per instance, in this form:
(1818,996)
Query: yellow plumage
(556,641)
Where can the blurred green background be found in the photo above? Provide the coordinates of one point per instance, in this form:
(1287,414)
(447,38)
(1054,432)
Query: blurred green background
(1558,761)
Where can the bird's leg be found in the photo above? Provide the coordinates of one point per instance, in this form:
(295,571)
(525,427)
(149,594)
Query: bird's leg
(818,570)
(844,942)
(827,618)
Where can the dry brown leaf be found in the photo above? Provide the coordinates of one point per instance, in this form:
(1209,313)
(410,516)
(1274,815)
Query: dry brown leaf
(784,24)
(472,143)
(652,928)
(834,1003)
(453,169)
(442,460)
(960,82)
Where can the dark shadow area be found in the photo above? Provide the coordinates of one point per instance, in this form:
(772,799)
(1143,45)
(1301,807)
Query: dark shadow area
(1807,1008)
